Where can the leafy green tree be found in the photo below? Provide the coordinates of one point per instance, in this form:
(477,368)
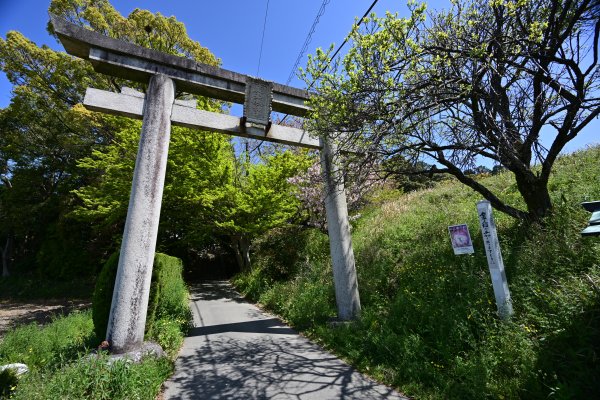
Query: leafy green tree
(142,27)
(209,194)
(261,198)
(46,131)
(199,169)
(43,133)
(482,79)
(66,169)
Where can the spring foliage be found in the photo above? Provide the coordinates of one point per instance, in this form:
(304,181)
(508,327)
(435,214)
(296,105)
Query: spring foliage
(65,172)
(478,79)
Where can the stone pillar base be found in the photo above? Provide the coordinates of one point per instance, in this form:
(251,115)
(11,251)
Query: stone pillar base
(134,356)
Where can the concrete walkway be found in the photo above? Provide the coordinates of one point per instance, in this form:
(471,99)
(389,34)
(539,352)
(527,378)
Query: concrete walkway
(237,351)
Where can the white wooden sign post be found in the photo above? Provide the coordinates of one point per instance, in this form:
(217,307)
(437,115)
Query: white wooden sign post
(494,258)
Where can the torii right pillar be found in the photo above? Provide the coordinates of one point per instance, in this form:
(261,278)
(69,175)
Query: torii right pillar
(340,240)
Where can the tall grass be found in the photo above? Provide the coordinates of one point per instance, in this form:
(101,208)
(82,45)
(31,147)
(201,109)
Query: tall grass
(99,380)
(58,354)
(429,323)
(48,347)
(60,366)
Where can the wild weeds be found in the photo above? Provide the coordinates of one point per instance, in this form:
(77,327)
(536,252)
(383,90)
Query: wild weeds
(429,323)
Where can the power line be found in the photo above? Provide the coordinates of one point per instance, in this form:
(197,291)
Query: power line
(307,41)
(360,21)
(262,40)
(344,42)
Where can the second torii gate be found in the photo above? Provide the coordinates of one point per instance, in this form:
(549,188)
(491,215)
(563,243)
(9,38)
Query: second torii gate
(158,109)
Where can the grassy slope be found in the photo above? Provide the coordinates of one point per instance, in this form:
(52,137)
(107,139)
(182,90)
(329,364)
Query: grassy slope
(428,325)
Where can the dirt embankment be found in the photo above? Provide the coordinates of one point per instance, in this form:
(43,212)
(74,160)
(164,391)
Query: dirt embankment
(15,313)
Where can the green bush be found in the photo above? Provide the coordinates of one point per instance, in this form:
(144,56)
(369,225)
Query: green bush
(103,292)
(167,333)
(168,294)
(282,254)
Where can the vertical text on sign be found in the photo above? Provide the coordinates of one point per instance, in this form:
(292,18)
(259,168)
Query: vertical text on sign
(494,258)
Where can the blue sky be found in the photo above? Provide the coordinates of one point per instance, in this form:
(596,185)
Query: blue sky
(232,30)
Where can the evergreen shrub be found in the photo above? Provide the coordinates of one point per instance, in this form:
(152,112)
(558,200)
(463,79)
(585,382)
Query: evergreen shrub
(103,295)
(168,294)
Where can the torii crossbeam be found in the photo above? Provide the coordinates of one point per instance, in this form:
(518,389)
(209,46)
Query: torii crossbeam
(158,109)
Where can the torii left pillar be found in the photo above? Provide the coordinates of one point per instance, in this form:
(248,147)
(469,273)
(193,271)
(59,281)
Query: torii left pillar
(127,319)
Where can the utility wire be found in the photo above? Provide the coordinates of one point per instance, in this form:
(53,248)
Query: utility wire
(262,40)
(360,21)
(307,41)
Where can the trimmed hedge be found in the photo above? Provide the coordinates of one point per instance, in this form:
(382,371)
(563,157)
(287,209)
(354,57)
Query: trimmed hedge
(173,301)
(168,294)
(102,298)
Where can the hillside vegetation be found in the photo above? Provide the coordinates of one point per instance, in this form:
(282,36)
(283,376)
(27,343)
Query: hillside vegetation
(429,324)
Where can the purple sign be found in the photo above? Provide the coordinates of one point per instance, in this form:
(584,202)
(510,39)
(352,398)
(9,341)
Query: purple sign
(461,239)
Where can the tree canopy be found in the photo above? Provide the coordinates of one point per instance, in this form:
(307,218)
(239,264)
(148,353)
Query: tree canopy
(483,79)
(65,172)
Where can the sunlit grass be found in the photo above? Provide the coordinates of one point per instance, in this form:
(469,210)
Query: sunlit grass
(429,324)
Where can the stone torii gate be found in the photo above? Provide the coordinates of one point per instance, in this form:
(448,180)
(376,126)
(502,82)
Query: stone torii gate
(158,109)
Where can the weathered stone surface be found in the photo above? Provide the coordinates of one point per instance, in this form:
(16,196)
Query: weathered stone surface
(132,286)
(132,92)
(126,60)
(340,240)
(131,105)
(193,103)
(257,104)
(135,356)
(18,368)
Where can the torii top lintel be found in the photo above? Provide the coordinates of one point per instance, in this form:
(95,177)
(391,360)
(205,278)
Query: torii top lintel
(129,61)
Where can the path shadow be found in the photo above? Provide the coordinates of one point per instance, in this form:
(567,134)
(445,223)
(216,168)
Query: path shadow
(268,368)
(214,290)
(269,326)
(238,352)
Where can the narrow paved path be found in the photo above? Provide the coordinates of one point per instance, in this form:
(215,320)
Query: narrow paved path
(236,351)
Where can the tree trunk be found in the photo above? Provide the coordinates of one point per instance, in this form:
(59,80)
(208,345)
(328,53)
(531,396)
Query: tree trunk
(6,256)
(235,245)
(245,250)
(535,193)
